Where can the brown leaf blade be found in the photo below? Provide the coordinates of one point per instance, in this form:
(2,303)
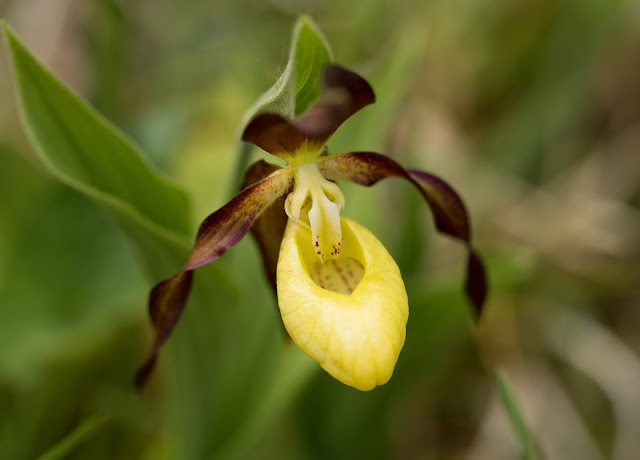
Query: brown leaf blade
(450,214)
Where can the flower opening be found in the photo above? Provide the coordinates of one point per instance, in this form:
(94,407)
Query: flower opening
(337,275)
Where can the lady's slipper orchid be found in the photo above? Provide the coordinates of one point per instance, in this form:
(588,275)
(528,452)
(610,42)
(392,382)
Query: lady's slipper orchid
(340,293)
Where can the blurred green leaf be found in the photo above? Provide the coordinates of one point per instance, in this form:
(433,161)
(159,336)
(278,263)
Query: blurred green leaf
(83,431)
(297,87)
(87,281)
(84,151)
(516,419)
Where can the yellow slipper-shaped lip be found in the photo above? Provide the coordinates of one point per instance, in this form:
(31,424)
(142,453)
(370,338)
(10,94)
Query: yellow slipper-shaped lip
(356,337)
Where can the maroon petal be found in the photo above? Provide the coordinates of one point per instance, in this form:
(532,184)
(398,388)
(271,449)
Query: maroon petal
(268,229)
(220,231)
(225,227)
(166,303)
(275,134)
(450,214)
(345,93)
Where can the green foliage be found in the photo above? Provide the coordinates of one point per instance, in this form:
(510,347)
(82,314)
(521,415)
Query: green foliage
(84,151)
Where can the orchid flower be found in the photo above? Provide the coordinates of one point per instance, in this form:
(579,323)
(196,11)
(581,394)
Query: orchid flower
(341,295)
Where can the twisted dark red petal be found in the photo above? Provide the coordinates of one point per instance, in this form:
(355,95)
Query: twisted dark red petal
(450,214)
(166,303)
(225,227)
(219,232)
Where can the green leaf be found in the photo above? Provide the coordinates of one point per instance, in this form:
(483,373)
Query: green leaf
(297,87)
(86,152)
(527,449)
(84,431)
(310,56)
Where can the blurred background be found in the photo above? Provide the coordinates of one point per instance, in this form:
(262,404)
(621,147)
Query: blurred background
(530,108)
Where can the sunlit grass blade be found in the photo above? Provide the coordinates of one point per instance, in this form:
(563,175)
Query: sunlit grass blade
(518,425)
